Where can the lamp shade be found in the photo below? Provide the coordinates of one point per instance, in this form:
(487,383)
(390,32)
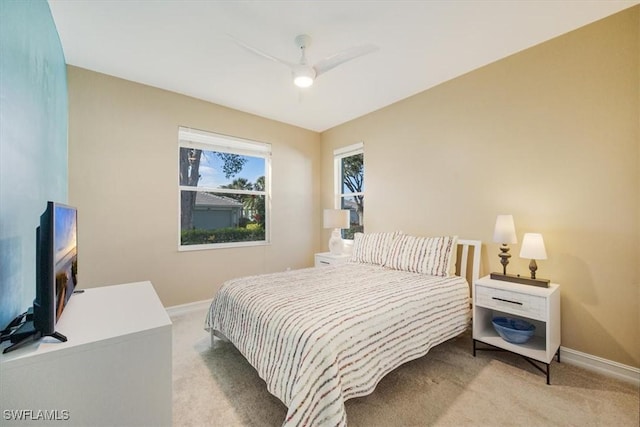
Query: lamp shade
(335,218)
(533,247)
(505,230)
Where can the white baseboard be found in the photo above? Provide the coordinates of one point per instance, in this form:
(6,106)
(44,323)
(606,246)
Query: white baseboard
(603,366)
(178,310)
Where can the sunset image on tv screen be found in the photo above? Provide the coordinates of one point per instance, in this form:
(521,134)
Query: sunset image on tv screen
(66,255)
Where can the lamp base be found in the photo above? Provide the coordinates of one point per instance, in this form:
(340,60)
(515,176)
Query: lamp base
(542,283)
(335,242)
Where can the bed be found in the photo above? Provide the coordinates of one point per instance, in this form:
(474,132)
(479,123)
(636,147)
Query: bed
(321,336)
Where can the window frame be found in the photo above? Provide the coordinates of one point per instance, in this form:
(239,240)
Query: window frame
(338,155)
(211,141)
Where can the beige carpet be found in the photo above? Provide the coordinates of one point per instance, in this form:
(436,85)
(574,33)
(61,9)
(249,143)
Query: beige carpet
(215,386)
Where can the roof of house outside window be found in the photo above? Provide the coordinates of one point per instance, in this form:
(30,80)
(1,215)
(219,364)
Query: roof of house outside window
(213,200)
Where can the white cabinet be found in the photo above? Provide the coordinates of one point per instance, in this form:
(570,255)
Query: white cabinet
(537,305)
(327,258)
(114,369)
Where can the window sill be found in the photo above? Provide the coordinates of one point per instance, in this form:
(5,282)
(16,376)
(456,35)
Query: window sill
(189,248)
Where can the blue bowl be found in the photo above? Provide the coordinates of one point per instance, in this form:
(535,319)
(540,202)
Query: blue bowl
(515,331)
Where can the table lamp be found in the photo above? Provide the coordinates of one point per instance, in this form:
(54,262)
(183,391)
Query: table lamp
(533,249)
(505,233)
(336,219)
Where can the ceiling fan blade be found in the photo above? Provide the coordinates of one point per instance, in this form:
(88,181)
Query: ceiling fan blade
(341,57)
(261,53)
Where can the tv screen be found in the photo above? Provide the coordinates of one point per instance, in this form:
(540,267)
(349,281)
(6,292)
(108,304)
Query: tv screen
(65,256)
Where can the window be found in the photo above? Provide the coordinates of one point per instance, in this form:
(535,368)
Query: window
(224,190)
(349,185)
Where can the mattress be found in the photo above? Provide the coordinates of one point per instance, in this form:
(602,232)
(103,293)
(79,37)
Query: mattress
(321,336)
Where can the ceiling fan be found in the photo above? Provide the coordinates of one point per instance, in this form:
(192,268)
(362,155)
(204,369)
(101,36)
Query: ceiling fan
(305,74)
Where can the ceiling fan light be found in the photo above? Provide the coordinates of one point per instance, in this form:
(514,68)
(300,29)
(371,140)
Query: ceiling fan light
(303,76)
(303,81)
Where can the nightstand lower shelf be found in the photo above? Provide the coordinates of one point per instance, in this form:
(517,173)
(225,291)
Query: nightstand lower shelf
(533,349)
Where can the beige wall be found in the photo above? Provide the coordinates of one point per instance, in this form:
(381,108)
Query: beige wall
(123,177)
(550,135)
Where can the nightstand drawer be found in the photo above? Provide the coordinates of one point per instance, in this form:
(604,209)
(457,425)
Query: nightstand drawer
(511,302)
(326,258)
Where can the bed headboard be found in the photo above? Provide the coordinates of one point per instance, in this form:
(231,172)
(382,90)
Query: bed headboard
(463,259)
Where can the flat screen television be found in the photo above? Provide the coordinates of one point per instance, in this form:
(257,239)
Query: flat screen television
(56,273)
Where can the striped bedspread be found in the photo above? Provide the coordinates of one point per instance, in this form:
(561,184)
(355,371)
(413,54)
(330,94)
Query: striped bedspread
(320,336)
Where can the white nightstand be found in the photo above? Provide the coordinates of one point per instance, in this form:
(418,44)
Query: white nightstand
(326,258)
(537,305)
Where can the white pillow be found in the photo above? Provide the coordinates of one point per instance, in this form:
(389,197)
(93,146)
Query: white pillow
(372,248)
(425,255)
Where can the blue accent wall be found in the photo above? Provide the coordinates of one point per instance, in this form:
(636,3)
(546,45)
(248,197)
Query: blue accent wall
(33,142)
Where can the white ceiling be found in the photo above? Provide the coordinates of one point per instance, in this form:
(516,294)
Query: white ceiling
(182,46)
